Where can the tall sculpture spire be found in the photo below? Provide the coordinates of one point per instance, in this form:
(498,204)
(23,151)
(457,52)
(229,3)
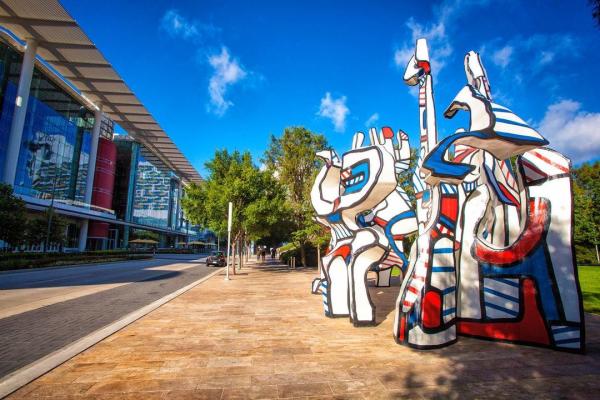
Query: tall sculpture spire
(418,71)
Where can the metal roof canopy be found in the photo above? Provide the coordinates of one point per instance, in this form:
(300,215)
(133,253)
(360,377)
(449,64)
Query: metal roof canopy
(65,47)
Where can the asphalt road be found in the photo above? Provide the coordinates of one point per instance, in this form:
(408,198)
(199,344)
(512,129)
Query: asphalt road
(42,311)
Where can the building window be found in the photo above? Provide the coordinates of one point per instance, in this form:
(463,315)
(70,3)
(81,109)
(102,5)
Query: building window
(10,68)
(152,202)
(54,155)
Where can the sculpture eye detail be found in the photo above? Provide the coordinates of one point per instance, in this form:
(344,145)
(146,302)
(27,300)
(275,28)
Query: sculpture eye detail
(354,178)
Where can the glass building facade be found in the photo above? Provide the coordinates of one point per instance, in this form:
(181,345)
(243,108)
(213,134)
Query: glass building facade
(10,66)
(154,193)
(146,191)
(54,155)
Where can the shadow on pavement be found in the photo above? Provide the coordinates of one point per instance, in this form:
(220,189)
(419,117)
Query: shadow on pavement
(135,276)
(97,274)
(471,368)
(277,266)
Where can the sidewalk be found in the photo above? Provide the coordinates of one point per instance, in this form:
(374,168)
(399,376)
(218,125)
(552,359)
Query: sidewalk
(263,335)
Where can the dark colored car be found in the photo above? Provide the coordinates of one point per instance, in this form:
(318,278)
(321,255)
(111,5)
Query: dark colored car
(216,258)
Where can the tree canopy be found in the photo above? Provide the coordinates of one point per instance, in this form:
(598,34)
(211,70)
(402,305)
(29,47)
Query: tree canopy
(36,230)
(586,199)
(292,158)
(12,215)
(259,208)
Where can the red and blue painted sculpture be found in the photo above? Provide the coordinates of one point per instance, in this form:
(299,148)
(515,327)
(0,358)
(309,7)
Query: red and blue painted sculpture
(368,213)
(494,255)
(510,270)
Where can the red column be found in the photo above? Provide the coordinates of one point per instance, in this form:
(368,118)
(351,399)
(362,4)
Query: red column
(104,182)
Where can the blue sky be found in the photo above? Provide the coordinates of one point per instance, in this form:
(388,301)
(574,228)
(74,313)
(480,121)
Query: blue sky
(221,74)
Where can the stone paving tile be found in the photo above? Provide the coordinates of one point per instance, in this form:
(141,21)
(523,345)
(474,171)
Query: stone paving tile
(307,389)
(263,335)
(250,392)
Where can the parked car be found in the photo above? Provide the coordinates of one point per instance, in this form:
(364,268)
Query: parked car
(216,258)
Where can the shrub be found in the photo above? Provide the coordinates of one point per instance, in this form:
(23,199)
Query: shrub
(176,251)
(12,215)
(290,250)
(11,261)
(586,254)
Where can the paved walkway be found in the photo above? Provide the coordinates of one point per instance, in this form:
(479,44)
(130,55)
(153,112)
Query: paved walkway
(263,335)
(50,309)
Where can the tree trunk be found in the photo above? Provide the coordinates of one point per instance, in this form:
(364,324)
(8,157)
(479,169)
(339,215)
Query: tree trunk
(319,259)
(303,255)
(233,249)
(241,253)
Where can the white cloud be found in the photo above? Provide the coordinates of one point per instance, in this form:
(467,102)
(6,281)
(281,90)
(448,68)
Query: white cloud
(227,71)
(372,119)
(502,57)
(439,45)
(502,97)
(547,48)
(541,50)
(334,109)
(436,33)
(546,57)
(574,132)
(177,25)
(403,55)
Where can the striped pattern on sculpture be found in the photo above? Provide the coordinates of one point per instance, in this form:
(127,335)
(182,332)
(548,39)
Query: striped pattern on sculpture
(493,257)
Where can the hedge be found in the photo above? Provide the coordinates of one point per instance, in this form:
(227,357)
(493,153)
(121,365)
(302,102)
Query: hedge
(176,251)
(11,261)
(290,250)
(586,254)
(34,255)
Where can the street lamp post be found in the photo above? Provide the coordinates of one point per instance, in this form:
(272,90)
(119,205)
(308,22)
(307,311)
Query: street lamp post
(229,218)
(50,213)
(51,208)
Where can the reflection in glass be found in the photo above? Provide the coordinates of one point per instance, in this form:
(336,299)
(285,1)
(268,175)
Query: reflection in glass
(54,156)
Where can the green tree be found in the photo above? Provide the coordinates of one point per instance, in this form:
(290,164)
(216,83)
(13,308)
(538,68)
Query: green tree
(405,180)
(58,228)
(36,229)
(268,216)
(292,158)
(584,231)
(586,203)
(12,215)
(259,207)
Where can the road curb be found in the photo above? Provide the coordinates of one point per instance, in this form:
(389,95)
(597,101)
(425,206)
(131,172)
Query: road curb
(28,373)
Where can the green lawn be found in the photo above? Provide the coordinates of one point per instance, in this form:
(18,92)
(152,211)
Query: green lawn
(589,277)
